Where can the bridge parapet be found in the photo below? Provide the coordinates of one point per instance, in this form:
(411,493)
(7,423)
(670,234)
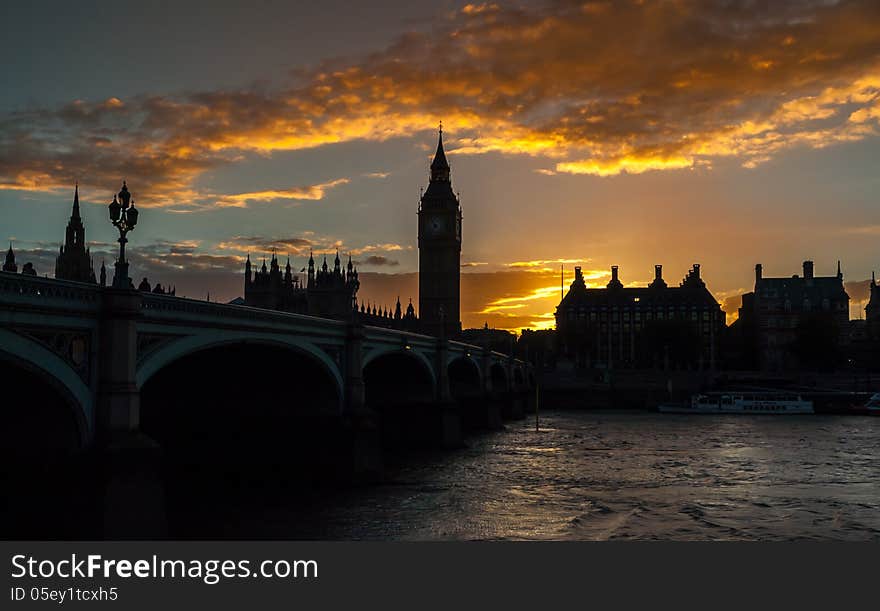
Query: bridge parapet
(464,347)
(21,290)
(169,307)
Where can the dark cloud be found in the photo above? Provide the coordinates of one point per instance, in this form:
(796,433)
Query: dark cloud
(596,87)
(379,260)
(262,244)
(171,263)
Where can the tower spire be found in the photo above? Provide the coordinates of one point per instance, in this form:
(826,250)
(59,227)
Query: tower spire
(75,213)
(9,265)
(440,166)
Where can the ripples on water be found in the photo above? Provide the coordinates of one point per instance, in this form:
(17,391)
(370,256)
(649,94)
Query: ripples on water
(639,475)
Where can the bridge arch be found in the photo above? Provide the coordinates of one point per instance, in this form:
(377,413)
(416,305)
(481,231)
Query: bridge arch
(465,376)
(498,377)
(398,375)
(26,354)
(47,415)
(238,419)
(519,379)
(182,347)
(382,352)
(400,388)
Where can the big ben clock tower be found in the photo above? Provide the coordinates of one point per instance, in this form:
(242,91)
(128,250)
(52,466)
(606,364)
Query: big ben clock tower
(440,251)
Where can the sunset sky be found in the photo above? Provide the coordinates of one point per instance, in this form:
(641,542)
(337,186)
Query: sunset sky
(579,133)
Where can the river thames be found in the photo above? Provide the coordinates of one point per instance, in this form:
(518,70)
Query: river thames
(610,475)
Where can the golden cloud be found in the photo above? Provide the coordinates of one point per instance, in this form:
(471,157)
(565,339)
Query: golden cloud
(601,88)
(310,192)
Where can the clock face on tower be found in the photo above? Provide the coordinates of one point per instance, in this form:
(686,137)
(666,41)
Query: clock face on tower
(436,225)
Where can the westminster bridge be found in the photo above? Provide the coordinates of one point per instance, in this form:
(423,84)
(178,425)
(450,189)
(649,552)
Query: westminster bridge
(126,376)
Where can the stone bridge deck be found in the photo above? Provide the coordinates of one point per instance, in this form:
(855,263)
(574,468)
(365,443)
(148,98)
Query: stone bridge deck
(134,380)
(99,348)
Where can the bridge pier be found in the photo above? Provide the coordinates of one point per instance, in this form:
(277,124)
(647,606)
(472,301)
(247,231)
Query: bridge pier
(134,499)
(363,449)
(450,422)
(134,488)
(482,411)
(118,396)
(360,423)
(449,426)
(494,410)
(514,405)
(418,425)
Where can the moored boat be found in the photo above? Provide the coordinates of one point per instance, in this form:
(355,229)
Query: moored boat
(872,407)
(741,403)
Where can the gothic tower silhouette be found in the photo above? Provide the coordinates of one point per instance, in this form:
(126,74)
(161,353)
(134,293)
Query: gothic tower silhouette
(74,261)
(440,251)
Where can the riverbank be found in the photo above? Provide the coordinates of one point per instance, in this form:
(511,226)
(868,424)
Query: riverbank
(644,390)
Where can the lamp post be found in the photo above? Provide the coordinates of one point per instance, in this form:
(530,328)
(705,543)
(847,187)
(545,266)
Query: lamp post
(124,217)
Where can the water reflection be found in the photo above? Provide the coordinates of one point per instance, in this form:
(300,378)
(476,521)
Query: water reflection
(614,475)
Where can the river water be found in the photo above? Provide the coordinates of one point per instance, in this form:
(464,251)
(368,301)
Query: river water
(615,475)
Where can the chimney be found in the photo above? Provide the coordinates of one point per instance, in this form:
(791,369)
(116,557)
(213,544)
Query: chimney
(759,272)
(615,282)
(808,270)
(696,270)
(658,272)
(578,276)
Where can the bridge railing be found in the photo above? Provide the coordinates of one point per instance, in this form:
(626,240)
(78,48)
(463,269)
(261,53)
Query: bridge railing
(401,333)
(422,338)
(20,289)
(465,346)
(32,291)
(166,306)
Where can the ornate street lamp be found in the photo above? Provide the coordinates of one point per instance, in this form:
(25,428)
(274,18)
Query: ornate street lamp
(124,217)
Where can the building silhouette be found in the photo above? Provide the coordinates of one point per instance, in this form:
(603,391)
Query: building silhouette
(648,327)
(326,292)
(331,292)
(74,262)
(872,310)
(9,264)
(270,288)
(74,259)
(383,317)
(797,322)
(499,340)
(145,287)
(440,251)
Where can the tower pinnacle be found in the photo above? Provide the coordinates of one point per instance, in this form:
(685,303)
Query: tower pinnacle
(75,213)
(440,166)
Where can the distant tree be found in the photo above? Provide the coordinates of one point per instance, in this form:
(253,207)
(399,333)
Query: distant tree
(538,347)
